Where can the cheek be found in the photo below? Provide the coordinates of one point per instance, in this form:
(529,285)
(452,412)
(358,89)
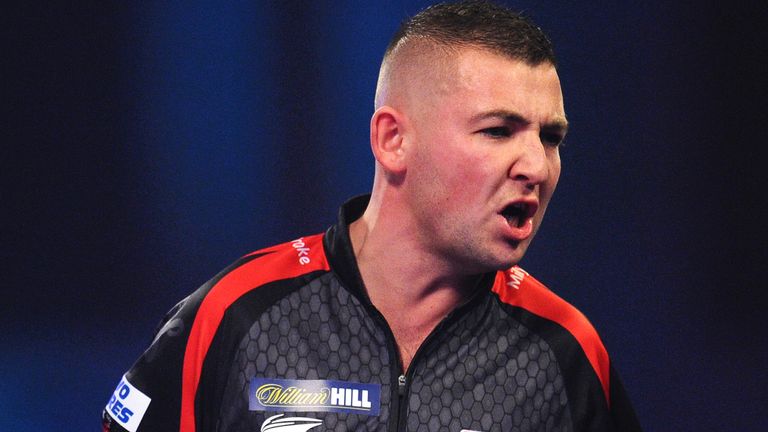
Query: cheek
(548,189)
(554,171)
(469,177)
(554,179)
(452,169)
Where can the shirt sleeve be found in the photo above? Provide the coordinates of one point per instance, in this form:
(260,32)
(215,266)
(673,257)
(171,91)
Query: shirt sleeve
(624,417)
(148,396)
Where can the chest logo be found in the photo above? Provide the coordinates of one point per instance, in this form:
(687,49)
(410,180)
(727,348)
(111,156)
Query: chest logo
(289,424)
(272,394)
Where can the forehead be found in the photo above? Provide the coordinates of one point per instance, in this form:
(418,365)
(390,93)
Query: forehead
(478,80)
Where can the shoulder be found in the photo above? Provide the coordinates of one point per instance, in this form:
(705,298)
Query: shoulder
(252,271)
(518,289)
(199,315)
(283,262)
(287,260)
(170,372)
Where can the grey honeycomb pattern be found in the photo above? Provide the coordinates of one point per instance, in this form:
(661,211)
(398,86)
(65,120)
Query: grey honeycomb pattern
(488,373)
(484,372)
(318,332)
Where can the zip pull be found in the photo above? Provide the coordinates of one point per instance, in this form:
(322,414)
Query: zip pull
(401,385)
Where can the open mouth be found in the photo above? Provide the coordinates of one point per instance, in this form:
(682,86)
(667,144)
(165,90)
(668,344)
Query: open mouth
(518,214)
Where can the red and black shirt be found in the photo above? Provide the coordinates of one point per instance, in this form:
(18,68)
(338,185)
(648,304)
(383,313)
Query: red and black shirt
(286,339)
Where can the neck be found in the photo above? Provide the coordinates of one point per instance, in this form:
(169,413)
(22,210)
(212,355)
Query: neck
(413,290)
(396,266)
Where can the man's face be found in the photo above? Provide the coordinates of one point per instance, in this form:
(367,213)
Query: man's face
(484,159)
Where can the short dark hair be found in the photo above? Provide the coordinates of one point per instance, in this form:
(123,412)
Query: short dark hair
(479,24)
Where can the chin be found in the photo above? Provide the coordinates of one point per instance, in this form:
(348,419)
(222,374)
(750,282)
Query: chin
(513,258)
(501,262)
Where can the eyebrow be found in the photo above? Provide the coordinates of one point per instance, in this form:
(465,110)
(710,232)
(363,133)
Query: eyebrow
(559,123)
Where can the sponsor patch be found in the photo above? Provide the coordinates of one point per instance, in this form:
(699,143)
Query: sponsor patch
(271,394)
(302,250)
(516,276)
(128,405)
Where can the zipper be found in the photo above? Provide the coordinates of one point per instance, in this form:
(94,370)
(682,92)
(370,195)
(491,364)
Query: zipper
(399,405)
(404,380)
(402,402)
(399,382)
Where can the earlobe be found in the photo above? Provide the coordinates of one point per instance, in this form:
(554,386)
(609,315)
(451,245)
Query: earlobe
(387,126)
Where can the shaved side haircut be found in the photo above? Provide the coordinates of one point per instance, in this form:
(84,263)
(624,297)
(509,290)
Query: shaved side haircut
(478,24)
(432,37)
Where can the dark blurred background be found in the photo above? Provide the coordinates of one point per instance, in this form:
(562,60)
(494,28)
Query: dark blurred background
(148,145)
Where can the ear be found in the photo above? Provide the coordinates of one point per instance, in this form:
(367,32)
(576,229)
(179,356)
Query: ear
(387,127)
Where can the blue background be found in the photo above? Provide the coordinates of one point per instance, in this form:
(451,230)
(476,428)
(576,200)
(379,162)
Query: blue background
(148,145)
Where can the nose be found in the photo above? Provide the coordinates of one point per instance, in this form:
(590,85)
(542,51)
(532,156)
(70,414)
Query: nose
(530,164)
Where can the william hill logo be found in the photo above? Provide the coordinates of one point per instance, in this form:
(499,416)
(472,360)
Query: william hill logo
(271,394)
(276,395)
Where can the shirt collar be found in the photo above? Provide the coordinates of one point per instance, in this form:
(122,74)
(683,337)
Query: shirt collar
(338,245)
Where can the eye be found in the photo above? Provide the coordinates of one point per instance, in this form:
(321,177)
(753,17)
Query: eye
(552,139)
(497,132)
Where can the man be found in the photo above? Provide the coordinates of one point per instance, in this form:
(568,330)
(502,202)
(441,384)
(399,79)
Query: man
(410,314)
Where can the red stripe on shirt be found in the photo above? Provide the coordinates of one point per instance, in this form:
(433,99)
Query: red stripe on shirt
(517,288)
(280,262)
